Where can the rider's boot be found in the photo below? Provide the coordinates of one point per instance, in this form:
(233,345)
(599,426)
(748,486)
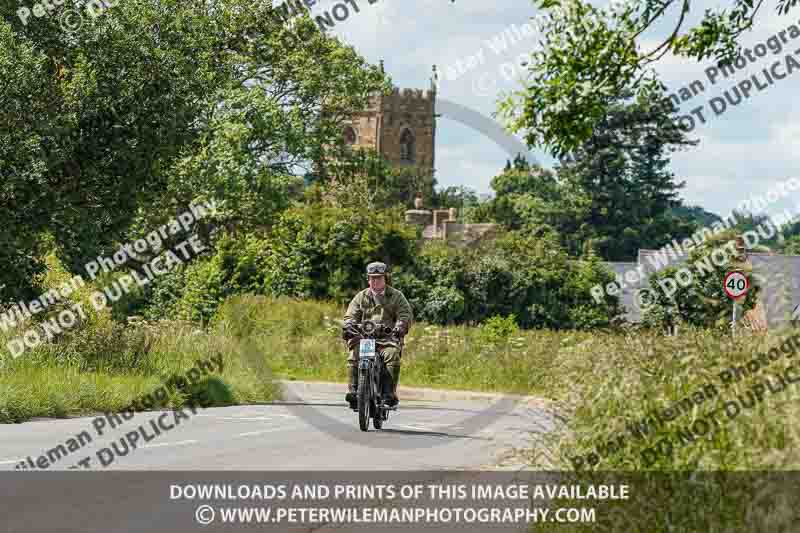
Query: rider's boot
(394,371)
(352,388)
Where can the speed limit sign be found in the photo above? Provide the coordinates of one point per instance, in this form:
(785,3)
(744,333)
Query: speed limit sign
(736,285)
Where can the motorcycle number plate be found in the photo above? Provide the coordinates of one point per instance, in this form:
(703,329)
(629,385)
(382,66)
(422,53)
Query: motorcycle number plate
(367,348)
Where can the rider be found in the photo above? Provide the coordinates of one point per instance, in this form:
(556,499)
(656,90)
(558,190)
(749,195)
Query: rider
(385,305)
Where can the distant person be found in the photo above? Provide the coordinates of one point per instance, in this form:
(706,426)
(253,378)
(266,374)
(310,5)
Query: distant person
(385,305)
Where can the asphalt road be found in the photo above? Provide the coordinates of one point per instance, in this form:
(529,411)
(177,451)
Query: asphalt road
(312,430)
(311,438)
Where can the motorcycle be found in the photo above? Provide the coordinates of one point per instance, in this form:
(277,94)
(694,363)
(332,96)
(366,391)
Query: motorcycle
(372,376)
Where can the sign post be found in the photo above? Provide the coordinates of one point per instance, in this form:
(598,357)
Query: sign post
(736,286)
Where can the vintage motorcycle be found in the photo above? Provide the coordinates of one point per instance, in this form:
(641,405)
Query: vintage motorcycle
(372,375)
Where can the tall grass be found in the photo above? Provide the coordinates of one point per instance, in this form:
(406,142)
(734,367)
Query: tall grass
(597,382)
(103,367)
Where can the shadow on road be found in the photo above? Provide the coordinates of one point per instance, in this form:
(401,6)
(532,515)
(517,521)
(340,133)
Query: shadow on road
(405,408)
(421,433)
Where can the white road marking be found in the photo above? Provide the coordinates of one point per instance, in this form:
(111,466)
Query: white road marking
(251,433)
(11,461)
(244,418)
(270,430)
(417,427)
(269,417)
(179,443)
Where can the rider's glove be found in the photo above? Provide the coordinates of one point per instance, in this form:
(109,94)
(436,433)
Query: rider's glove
(400,329)
(353,343)
(349,331)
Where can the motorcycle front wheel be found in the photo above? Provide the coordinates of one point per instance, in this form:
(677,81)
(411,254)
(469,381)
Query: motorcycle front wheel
(377,412)
(364,399)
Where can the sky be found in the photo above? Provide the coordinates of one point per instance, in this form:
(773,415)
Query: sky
(745,150)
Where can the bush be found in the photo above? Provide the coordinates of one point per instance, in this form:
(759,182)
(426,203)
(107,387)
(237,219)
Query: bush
(531,278)
(534,279)
(703,302)
(498,329)
(445,305)
(320,253)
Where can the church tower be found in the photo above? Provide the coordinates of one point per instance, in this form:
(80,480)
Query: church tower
(400,126)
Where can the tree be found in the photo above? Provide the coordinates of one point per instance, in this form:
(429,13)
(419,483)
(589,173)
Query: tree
(590,56)
(455,196)
(362,178)
(120,125)
(520,163)
(26,203)
(612,195)
(523,195)
(698,298)
(791,246)
(694,214)
(622,167)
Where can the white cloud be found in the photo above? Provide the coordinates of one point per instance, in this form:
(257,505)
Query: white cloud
(741,152)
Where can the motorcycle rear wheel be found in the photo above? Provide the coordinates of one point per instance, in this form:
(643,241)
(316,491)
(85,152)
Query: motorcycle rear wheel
(364,400)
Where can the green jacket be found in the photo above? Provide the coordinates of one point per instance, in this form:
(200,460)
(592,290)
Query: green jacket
(393,308)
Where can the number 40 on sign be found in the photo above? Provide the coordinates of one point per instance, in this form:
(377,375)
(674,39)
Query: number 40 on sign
(736,285)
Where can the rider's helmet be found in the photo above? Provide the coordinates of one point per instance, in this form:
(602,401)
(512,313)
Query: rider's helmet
(377,268)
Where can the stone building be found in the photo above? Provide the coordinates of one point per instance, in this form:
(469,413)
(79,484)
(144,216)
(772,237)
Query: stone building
(442,224)
(400,126)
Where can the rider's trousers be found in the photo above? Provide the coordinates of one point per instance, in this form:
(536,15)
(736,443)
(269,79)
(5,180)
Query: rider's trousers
(391,355)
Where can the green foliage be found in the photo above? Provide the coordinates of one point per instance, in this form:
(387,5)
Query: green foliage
(322,252)
(363,179)
(310,252)
(498,329)
(591,56)
(791,246)
(114,128)
(540,200)
(701,303)
(26,208)
(455,196)
(695,215)
(194,292)
(612,195)
(529,277)
(210,391)
(445,304)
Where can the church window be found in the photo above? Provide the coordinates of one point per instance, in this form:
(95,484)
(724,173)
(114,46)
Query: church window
(407,146)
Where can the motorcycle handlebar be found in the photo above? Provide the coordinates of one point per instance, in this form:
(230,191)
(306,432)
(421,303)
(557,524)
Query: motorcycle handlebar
(371,329)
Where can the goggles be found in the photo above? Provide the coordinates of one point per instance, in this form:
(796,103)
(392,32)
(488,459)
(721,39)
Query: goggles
(376,269)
